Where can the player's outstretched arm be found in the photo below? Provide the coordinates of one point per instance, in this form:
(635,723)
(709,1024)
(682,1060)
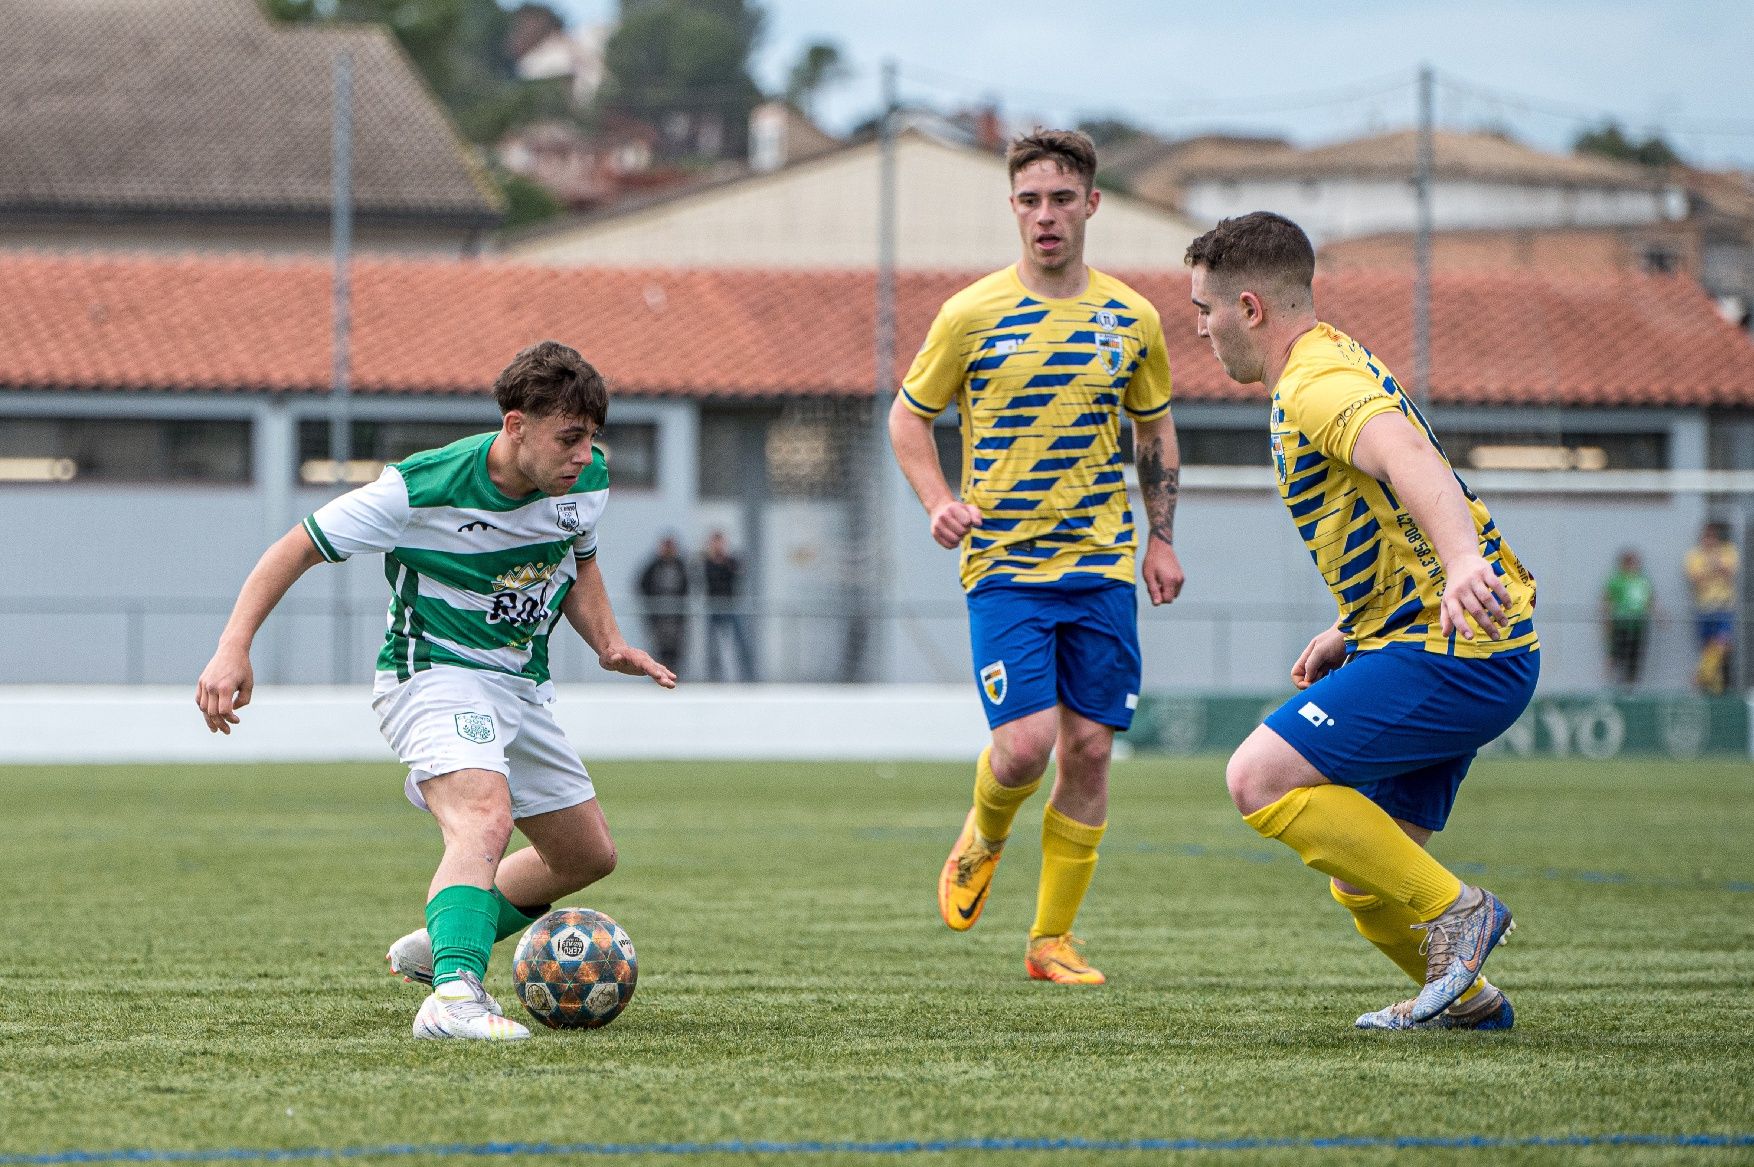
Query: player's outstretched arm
(1390,450)
(1157,454)
(911,436)
(227,681)
(587,609)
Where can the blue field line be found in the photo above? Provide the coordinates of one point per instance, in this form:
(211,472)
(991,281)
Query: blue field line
(904,1147)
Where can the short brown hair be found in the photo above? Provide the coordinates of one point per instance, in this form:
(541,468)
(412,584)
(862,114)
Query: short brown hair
(1070,150)
(1260,245)
(550,378)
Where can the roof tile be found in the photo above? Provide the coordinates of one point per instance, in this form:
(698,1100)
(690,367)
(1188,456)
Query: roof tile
(109,322)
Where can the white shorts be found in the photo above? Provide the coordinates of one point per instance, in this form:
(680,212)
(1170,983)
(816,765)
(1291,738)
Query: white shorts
(445,719)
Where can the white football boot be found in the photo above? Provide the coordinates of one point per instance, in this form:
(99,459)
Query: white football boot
(459,1008)
(411,959)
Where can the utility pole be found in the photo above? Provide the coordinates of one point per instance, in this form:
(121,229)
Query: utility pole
(340,394)
(867,586)
(1422,242)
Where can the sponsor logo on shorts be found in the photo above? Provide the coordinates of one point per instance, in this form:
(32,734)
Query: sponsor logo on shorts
(1315,714)
(993,682)
(475,727)
(1132,700)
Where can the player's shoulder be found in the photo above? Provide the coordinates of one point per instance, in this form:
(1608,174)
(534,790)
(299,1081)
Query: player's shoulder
(997,292)
(1122,296)
(1326,356)
(448,476)
(461,452)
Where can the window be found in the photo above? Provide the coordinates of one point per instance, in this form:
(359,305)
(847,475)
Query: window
(1513,450)
(124,449)
(375,444)
(631,448)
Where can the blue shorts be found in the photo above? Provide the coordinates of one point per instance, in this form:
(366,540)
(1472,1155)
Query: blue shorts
(1401,725)
(1073,642)
(1715,626)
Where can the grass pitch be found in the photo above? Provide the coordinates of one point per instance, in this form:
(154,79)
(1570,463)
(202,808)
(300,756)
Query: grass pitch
(192,961)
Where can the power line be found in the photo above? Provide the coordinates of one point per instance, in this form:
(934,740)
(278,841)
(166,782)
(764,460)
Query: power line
(1567,111)
(1279,103)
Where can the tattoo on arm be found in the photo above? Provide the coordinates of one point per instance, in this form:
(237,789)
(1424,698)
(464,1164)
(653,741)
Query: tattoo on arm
(1158,485)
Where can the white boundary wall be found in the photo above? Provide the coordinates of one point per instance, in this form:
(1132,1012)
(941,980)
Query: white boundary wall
(159,723)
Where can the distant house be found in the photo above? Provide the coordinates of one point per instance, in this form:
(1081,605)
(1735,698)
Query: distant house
(1497,205)
(590,170)
(821,212)
(202,124)
(181,403)
(575,57)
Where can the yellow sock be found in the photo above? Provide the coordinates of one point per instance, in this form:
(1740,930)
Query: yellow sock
(1343,834)
(995,805)
(1389,926)
(1068,860)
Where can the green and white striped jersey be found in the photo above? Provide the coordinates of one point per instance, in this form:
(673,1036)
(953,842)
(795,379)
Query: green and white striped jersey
(476,578)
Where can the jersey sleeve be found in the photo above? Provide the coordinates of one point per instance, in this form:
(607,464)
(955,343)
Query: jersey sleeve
(939,368)
(1147,396)
(1331,408)
(584,544)
(371,518)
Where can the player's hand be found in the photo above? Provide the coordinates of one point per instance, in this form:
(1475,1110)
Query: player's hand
(636,662)
(224,688)
(1321,656)
(1163,572)
(1473,593)
(952,521)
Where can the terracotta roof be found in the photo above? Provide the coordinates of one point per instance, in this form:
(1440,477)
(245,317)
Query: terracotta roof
(426,326)
(207,106)
(1491,157)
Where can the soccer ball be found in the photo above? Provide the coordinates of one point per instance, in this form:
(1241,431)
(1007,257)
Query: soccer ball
(575,969)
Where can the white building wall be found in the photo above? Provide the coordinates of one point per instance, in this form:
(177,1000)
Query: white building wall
(117,583)
(1343,208)
(951,215)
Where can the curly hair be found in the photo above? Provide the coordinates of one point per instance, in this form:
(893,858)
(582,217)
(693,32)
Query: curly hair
(550,378)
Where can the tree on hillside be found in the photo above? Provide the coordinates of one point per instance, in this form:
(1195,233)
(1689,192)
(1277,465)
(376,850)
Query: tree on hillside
(683,67)
(818,67)
(1609,141)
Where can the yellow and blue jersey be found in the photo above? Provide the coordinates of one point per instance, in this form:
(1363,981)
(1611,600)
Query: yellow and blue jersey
(1381,568)
(1040,385)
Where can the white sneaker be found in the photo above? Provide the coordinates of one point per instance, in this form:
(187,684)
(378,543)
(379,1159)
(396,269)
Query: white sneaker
(461,1008)
(411,959)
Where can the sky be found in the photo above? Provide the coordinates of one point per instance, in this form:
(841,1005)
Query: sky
(1543,69)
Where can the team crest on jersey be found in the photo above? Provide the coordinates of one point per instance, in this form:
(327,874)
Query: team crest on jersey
(567,515)
(475,727)
(1112,351)
(993,682)
(1279,457)
(526,575)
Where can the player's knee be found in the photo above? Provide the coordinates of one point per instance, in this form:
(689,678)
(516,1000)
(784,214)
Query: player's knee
(580,869)
(1243,778)
(1021,758)
(1086,753)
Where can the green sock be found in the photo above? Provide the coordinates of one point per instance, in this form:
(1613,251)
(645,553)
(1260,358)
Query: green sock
(460,919)
(513,919)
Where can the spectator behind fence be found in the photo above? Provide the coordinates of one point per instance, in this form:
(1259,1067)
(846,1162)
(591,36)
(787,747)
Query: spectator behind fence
(1627,600)
(1711,569)
(723,573)
(664,584)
